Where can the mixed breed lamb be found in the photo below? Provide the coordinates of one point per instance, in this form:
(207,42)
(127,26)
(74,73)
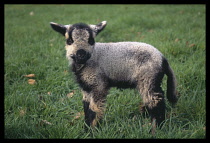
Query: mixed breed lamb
(100,66)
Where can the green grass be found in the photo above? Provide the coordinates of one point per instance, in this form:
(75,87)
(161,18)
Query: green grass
(44,110)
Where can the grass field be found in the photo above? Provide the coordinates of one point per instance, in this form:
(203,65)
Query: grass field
(51,105)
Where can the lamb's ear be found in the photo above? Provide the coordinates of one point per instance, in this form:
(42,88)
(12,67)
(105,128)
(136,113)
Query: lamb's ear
(98,28)
(59,27)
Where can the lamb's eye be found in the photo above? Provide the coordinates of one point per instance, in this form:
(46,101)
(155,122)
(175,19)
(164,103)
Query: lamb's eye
(69,41)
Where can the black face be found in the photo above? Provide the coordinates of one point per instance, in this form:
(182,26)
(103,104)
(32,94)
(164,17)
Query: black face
(79,39)
(81,26)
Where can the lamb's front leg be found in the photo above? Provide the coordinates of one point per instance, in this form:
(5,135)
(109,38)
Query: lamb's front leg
(93,103)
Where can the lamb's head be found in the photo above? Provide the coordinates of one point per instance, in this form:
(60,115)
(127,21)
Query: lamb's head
(79,39)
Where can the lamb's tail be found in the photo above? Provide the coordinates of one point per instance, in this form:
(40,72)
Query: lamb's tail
(171,83)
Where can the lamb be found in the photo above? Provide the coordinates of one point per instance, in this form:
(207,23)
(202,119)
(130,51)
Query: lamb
(100,66)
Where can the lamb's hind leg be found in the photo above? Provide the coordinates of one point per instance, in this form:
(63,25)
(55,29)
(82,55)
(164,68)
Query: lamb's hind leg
(153,101)
(156,108)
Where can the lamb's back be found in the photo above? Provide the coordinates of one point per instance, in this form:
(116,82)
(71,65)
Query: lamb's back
(124,60)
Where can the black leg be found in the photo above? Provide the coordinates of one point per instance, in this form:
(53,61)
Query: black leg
(89,114)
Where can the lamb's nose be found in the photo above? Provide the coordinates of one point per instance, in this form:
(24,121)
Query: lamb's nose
(82,56)
(81,53)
